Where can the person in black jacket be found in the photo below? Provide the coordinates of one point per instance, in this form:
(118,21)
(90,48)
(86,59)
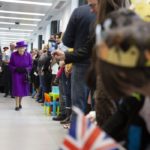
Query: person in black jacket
(76,35)
(45,75)
(128,125)
(48,73)
(34,77)
(7,74)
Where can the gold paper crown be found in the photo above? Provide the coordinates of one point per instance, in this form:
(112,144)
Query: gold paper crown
(117,56)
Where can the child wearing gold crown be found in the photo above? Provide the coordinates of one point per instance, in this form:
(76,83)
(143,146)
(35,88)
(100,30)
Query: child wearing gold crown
(124,54)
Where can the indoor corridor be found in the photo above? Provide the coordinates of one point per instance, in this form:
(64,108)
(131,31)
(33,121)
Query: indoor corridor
(27,129)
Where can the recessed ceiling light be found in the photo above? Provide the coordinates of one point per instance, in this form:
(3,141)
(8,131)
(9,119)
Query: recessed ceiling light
(22,24)
(27,2)
(10,23)
(19,18)
(14,33)
(10,38)
(21,13)
(27,24)
(21,30)
(7,29)
(4,29)
(7,40)
(7,37)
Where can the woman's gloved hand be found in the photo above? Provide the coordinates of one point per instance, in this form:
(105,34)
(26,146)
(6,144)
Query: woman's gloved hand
(21,70)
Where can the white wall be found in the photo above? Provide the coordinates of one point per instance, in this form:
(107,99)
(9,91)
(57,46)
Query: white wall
(29,47)
(46,35)
(74,4)
(35,42)
(63,16)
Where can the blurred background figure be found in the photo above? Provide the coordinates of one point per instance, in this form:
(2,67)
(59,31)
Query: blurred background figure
(44,72)
(6,76)
(34,74)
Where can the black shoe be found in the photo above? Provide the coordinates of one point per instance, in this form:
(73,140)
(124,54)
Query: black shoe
(12,97)
(56,82)
(65,121)
(40,101)
(68,116)
(5,95)
(20,106)
(17,109)
(59,118)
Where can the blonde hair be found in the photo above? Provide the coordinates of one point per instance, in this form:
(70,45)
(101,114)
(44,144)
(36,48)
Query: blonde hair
(45,47)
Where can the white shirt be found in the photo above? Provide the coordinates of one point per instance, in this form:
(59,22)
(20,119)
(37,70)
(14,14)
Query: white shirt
(6,55)
(55,69)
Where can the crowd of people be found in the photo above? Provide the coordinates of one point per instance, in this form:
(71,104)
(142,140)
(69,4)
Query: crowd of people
(38,75)
(116,62)
(106,71)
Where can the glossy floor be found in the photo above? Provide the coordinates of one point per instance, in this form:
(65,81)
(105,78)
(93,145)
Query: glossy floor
(27,129)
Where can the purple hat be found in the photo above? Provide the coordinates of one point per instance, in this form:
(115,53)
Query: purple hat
(21,44)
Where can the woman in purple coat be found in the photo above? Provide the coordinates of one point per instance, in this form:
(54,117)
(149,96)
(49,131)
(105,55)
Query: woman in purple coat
(20,65)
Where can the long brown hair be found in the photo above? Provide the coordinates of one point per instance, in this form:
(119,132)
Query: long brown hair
(107,6)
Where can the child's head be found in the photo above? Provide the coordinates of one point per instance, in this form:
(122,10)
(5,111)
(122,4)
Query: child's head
(124,53)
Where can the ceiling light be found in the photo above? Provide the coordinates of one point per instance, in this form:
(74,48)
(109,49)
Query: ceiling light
(7,29)
(26,24)
(2,40)
(22,24)
(27,2)
(7,37)
(14,33)
(21,13)
(10,23)
(7,40)
(11,39)
(4,29)
(21,30)
(17,18)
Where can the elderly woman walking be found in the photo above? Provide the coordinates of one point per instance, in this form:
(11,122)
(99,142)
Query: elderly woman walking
(20,65)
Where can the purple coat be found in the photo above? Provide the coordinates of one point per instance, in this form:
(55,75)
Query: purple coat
(19,86)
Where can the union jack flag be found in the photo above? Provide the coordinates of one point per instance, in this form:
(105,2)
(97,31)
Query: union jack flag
(84,135)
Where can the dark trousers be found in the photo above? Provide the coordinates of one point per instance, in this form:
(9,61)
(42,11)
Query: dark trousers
(68,92)
(79,88)
(45,84)
(47,81)
(42,87)
(7,80)
(62,100)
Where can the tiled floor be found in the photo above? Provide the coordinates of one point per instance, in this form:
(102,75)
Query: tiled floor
(27,129)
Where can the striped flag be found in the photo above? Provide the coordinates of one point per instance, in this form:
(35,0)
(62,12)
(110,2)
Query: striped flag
(84,135)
